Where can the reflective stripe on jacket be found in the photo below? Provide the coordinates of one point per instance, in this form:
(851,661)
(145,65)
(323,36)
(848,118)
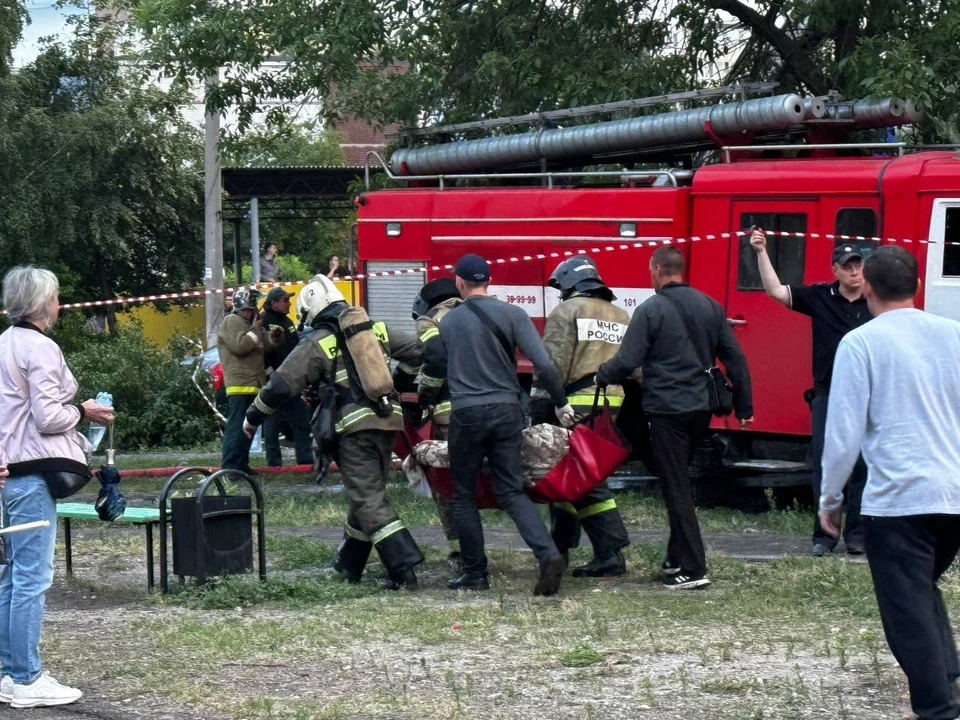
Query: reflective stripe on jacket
(312,362)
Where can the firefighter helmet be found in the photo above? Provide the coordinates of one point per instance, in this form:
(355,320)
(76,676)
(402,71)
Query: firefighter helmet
(316,295)
(576,274)
(246,298)
(434,293)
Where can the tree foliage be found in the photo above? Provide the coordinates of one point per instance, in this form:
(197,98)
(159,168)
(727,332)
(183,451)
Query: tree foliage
(305,238)
(98,172)
(12,15)
(469,60)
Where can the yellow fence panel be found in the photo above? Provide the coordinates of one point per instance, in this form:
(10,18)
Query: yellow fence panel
(159,327)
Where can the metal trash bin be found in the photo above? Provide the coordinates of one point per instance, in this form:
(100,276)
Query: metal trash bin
(211,534)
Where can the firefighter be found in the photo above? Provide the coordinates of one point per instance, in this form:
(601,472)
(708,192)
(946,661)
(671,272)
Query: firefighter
(275,315)
(242,341)
(365,429)
(581,333)
(436,299)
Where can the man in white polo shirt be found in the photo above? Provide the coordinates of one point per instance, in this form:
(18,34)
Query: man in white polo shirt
(895,397)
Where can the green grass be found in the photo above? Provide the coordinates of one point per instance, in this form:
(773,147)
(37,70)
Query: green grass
(640,512)
(766,640)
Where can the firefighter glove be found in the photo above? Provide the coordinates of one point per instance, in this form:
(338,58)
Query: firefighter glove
(565,415)
(428,396)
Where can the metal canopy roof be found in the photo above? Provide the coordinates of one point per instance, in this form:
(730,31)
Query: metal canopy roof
(289,191)
(243,183)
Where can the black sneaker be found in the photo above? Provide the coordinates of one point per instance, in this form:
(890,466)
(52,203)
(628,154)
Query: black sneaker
(609,566)
(551,572)
(683,581)
(470,581)
(819,550)
(669,569)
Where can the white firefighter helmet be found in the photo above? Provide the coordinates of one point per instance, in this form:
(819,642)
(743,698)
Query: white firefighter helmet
(316,295)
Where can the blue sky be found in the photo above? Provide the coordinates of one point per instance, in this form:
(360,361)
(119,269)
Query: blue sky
(45,19)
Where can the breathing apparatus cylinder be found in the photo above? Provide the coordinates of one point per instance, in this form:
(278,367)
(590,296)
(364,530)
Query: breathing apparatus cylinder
(367,355)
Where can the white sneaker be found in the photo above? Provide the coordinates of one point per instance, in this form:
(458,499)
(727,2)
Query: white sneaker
(43,692)
(6,689)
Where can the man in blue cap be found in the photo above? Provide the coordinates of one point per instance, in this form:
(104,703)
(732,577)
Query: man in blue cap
(476,353)
(835,309)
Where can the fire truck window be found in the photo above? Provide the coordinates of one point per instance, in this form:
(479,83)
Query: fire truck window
(951,234)
(855,221)
(786,253)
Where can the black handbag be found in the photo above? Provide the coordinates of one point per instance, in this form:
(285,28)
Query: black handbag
(62,484)
(718,387)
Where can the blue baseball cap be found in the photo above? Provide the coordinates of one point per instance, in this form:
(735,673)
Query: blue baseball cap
(845,252)
(472,268)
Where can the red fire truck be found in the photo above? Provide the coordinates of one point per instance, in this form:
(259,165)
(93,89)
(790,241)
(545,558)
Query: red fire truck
(821,187)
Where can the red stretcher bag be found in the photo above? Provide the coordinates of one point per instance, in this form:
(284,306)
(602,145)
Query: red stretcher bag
(597,449)
(441,479)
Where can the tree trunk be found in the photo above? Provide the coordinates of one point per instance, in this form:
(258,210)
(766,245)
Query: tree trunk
(796,60)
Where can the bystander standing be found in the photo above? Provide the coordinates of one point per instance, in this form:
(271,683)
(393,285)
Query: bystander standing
(895,397)
(270,264)
(835,309)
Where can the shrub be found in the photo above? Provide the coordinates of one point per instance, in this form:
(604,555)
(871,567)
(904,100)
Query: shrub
(157,403)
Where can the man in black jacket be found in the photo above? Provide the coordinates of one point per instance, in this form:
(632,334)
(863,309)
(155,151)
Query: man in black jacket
(295,412)
(675,395)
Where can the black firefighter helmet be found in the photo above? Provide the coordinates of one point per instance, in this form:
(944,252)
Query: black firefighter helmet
(579,274)
(434,293)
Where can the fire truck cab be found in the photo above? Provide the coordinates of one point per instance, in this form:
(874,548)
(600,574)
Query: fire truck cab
(524,229)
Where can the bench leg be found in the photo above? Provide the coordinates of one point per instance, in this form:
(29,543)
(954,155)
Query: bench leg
(149,557)
(68,546)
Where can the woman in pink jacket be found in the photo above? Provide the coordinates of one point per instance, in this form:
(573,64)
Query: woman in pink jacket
(38,435)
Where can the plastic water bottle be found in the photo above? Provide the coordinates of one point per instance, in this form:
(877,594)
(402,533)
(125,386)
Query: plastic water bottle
(255,444)
(97,431)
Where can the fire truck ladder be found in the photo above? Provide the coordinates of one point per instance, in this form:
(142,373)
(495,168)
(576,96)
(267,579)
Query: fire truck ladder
(681,132)
(548,116)
(669,176)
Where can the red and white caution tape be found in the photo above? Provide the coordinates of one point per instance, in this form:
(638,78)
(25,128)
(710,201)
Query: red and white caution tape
(615,246)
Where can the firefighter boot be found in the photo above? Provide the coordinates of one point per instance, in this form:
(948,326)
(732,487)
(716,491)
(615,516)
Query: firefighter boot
(352,554)
(399,554)
(608,535)
(564,527)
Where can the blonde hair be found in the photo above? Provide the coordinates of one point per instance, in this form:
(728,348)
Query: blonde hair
(27,291)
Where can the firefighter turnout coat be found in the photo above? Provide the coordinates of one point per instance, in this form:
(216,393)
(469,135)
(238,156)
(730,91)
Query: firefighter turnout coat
(241,354)
(428,330)
(312,361)
(581,334)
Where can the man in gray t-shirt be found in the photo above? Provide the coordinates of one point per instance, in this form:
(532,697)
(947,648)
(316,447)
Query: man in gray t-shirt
(476,353)
(895,397)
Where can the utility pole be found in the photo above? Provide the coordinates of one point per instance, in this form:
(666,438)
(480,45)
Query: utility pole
(255,237)
(212,216)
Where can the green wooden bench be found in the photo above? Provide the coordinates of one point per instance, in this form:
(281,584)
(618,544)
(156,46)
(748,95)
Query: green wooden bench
(147,517)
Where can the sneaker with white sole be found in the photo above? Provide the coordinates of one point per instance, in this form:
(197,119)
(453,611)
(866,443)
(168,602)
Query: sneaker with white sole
(685,582)
(43,692)
(6,689)
(668,568)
